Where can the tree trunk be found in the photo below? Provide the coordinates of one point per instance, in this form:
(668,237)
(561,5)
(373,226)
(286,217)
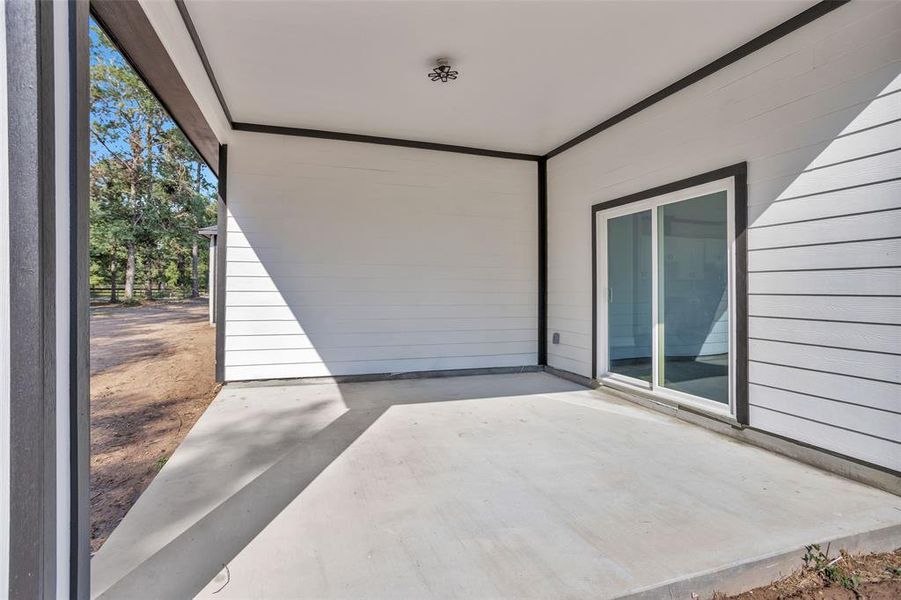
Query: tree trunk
(130,272)
(148,164)
(183,277)
(195,285)
(113,291)
(149,283)
(195,249)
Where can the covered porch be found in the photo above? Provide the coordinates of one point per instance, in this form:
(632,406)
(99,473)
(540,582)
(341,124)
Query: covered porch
(467,327)
(509,485)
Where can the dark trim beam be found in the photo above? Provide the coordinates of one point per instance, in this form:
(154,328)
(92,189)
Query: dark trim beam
(195,38)
(319,133)
(739,173)
(32,311)
(814,12)
(221,250)
(130,29)
(384,141)
(542,261)
(79,301)
(811,14)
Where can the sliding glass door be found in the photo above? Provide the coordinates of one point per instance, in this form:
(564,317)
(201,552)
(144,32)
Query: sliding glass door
(694,298)
(629,295)
(665,272)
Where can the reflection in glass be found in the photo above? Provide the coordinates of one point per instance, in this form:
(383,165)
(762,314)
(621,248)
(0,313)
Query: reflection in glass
(629,295)
(694,308)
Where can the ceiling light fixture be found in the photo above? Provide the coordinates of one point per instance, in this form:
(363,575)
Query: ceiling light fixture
(443,72)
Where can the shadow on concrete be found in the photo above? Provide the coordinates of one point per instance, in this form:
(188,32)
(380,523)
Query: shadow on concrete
(184,565)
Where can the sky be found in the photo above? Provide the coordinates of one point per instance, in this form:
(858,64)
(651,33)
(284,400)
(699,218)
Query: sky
(99,53)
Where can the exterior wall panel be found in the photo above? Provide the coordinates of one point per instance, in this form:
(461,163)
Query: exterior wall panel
(347,258)
(815,115)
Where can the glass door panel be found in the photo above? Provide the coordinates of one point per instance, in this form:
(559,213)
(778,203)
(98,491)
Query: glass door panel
(694,297)
(629,295)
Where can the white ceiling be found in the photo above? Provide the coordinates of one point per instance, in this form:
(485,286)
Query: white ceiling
(532,74)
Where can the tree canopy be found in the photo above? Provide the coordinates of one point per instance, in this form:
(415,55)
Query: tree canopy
(150,190)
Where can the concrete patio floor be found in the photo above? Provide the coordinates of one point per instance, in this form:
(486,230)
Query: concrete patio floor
(496,486)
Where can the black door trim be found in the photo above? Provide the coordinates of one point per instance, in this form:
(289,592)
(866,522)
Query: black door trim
(739,172)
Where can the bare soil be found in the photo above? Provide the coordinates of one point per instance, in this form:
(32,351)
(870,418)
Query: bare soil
(152,376)
(875,577)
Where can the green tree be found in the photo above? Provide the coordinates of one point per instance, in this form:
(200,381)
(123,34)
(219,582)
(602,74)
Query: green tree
(110,231)
(150,191)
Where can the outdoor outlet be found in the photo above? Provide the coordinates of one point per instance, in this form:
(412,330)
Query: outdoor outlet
(555,339)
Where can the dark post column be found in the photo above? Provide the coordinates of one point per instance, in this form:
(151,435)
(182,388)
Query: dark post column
(221,249)
(32,418)
(542,261)
(80,302)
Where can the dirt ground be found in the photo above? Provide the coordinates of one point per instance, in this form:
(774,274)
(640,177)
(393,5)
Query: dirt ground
(152,376)
(837,577)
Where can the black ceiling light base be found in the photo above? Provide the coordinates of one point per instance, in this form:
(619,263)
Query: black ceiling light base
(443,72)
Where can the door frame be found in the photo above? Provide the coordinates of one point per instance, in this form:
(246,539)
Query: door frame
(738,296)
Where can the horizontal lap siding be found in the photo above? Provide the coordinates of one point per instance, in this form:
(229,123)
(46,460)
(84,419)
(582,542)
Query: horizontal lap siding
(854,336)
(817,116)
(865,254)
(347,258)
(805,304)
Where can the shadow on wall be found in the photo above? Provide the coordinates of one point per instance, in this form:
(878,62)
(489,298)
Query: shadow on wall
(837,176)
(824,243)
(355,259)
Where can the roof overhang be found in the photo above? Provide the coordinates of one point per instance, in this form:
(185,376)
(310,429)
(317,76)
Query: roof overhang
(209,232)
(131,30)
(536,77)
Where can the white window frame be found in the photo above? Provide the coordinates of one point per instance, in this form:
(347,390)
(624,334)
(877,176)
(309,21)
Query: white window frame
(653,389)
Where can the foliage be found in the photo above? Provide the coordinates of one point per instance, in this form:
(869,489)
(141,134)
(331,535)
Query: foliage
(829,569)
(150,191)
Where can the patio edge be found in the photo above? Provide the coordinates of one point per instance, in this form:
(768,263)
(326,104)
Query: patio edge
(746,575)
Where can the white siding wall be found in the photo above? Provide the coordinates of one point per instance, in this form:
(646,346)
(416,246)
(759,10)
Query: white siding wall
(816,117)
(347,258)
